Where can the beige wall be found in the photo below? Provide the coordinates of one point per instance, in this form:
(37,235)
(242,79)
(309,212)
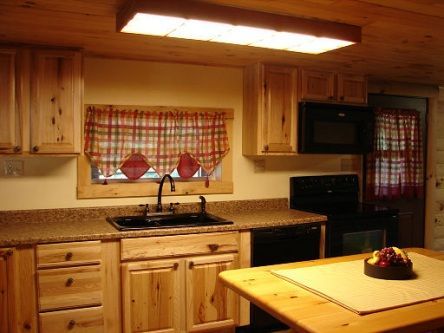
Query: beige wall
(50,182)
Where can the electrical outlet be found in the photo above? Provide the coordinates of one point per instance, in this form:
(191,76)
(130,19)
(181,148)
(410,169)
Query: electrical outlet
(13,168)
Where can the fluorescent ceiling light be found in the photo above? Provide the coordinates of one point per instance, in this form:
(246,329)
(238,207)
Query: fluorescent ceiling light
(215,23)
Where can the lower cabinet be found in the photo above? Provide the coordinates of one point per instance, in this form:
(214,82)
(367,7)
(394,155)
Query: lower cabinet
(163,295)
(209,304)
(17,290)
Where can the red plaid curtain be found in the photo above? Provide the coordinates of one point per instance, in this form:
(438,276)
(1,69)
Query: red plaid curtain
(113,137)
(395,167)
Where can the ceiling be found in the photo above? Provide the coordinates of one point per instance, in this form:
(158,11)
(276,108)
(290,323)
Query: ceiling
(402,40)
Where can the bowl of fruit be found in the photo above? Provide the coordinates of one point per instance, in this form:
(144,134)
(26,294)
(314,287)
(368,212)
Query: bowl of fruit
(389,263)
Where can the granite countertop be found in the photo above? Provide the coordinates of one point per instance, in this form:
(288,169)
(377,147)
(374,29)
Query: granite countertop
(49,226)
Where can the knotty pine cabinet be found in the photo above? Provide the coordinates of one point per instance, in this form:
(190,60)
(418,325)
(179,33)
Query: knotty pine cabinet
(41,100)
(172,287)
(270,110)
(333,87)
(17,291)
(78,287)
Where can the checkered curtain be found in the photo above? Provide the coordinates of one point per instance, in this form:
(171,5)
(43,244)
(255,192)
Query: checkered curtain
(113,137)
(395,167)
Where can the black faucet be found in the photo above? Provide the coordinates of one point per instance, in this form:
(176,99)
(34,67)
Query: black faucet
(159,194)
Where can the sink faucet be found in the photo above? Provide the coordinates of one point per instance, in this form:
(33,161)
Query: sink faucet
(159,194)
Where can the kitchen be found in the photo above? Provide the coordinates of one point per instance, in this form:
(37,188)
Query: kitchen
(118,71)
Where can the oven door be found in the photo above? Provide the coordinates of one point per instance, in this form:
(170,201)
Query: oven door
(360,235)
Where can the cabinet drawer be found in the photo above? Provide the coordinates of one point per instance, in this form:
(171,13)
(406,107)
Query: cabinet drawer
(68,254)
(170,246)
(88,320)
(70,287)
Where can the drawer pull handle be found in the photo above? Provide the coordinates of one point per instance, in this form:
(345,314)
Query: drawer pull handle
(69,282)
(213,247)
(71,324)
(68,256)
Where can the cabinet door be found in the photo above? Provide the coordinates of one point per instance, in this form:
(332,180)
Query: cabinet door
(18,310)
(152,296)
(10,138)
(352,88)
(279,112)
(55,102)
(317,85)
(5,292)
(209,304)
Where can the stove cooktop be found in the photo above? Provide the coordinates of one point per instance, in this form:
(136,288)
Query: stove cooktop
(349,210)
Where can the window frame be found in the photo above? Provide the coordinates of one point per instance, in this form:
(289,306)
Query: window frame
(89,190)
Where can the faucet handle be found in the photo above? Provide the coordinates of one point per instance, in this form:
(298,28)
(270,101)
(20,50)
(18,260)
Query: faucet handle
(146,209)
(173,207)
(203,202)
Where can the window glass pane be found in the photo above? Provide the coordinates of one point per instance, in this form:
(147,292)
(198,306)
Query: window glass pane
(151,175)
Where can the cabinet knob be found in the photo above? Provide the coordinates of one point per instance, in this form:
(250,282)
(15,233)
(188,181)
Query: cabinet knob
(71,324)
(213,247)
(35,149)
(17,149)
(266,147)
(69,282)
(331,97)
(191,265)
(341,98)
(68,256)
(175,266)
(27,326)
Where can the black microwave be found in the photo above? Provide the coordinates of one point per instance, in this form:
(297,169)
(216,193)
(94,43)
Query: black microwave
(334,128)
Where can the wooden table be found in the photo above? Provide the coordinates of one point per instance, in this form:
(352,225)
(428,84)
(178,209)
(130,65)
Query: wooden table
(304,311)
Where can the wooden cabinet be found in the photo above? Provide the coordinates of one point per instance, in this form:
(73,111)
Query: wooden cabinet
(333,87)
(40,101)
(55,101)
(270,110)
(10,126)
(178,291)
(209,304)
(78,287)
(17,291)
(6,291)
(152,295)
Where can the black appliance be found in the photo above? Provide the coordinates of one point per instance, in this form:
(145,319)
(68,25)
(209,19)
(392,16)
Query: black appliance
(275,246)
(335,128)
(352,227)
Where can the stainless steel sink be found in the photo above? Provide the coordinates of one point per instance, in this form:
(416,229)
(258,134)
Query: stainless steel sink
(157,221)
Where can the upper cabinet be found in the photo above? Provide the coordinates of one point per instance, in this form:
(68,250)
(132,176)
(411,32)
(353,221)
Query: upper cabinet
(55,101)
(333,87)
(269,117)
(40,101)
(10,129)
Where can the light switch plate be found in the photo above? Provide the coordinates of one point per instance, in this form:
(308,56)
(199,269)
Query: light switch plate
(13,168)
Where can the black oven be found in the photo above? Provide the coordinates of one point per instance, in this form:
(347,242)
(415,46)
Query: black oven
(334,128)
(360,234)
(352,226)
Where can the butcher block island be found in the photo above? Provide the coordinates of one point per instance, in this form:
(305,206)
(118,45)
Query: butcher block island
(305,310)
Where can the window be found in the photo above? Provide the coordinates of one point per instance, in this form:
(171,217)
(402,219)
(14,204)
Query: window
(91,183)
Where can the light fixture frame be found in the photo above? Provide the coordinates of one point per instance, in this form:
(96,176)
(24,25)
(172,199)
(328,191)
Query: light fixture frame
(193,9)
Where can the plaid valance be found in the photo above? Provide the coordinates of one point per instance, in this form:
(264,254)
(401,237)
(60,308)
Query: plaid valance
(113,137)
(395,167)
